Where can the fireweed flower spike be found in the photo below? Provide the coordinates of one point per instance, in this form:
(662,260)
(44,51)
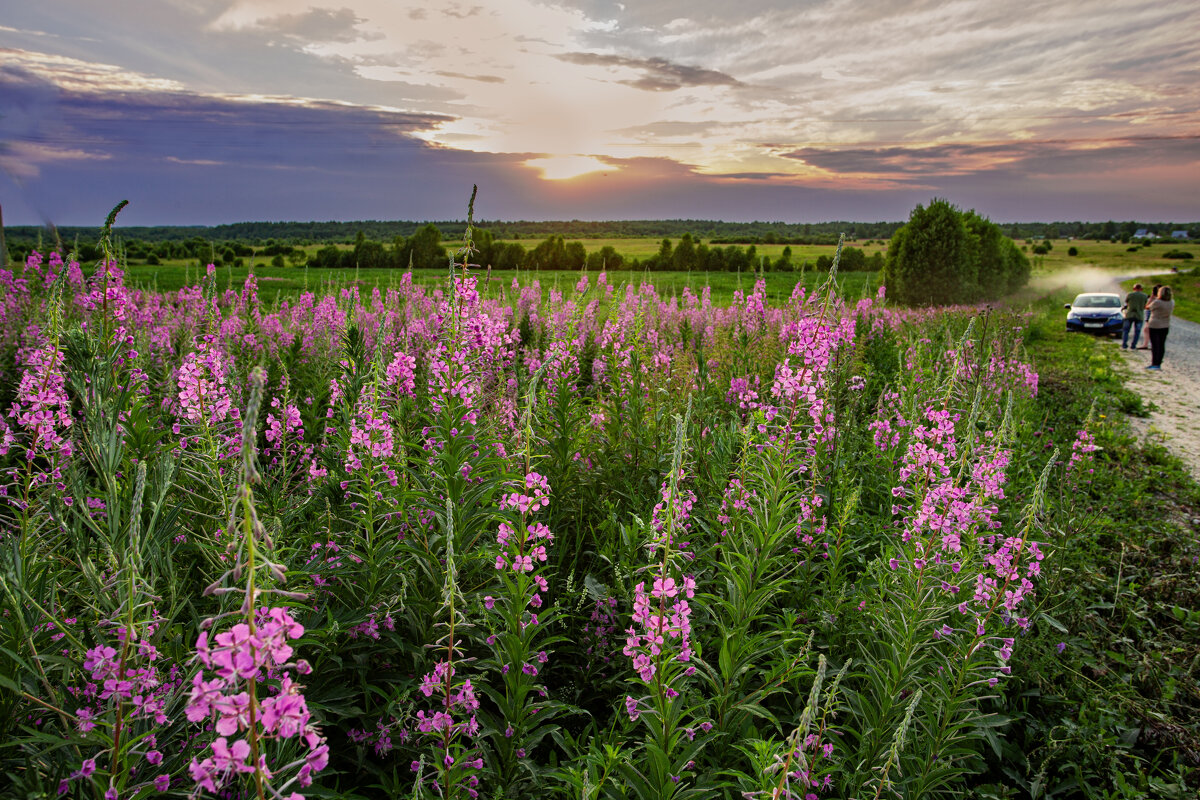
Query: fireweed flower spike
(250,658)
(520,615)
(452,726)
(659,643)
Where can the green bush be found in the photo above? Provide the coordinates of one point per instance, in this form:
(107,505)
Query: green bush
(1182,254)
(943,256)
(1072,251)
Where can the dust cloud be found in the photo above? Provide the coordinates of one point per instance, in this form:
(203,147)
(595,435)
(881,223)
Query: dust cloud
(1086,278)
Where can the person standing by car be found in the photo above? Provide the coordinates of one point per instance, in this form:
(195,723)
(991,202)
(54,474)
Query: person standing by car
(1145,345)
(1135,315)
(1160,309)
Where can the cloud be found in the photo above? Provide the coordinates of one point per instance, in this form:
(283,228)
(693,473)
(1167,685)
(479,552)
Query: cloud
(75,74)
(319,25)
(456,11)
(657,74)
(465,77)
(1011,107)
(754,176)
(671,128)
(48,124)
(1045,157)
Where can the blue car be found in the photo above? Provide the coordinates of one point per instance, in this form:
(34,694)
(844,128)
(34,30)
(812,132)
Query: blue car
(1095,312)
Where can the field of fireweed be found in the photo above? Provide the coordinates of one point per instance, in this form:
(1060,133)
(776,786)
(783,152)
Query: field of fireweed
(426,544)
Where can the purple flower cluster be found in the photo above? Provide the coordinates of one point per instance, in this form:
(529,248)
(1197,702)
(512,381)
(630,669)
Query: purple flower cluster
(662,625)
(203,394)
(128,688)
(736,498)
(41,409)
(1082,449)
(524,545)
(672,516)
(452,726)
(239,660)
(598,633)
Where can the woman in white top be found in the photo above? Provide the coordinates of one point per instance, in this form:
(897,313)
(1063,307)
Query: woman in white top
(1159,323)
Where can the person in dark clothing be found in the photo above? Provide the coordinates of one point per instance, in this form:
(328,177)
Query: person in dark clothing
(1135,314)
(1145,345)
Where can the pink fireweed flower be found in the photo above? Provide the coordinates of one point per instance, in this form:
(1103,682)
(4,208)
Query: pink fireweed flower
(203,395)
(1082,448)
(236,657)
(41,408)
(401,374)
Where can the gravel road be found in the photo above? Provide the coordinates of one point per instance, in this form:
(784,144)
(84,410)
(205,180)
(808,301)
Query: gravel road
(1175,390)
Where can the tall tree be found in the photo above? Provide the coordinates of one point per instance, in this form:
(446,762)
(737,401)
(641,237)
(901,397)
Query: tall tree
(425,248)
(684,258)
(932,260)
(993,257)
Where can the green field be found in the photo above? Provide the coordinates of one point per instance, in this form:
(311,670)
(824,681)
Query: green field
(282,282)
(645,247)
(1105,255)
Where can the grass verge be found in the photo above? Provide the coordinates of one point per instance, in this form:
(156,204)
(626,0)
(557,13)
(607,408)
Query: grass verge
(1108,706)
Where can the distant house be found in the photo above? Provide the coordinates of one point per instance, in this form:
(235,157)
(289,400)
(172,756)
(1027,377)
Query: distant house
(1179,234)
(1143,233)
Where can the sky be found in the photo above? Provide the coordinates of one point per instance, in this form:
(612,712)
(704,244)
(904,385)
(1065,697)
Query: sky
(211,111)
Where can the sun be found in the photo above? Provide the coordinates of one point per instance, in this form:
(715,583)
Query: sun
(560,168)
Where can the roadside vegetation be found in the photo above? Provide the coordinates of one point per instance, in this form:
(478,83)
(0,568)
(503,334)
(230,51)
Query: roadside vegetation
(1110,707)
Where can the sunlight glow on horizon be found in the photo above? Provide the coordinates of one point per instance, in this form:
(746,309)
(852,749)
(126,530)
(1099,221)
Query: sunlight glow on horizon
(560,168)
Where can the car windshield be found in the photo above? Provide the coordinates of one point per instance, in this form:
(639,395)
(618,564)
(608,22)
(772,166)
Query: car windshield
(1097,301)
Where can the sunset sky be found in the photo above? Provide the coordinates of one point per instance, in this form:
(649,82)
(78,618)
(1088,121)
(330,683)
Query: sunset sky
(207,111)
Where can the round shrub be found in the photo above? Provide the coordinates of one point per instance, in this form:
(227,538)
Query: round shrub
(943,255)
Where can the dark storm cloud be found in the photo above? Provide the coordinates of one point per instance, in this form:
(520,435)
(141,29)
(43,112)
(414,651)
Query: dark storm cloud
(658,74)
(180,156)
(318,25)
(25,103)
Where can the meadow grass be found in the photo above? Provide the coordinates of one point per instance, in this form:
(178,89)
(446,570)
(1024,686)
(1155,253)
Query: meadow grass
(284,282)
(1102,255)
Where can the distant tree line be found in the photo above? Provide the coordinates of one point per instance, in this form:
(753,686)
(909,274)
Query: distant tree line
(197,238)
(424,249)
(309,233)
(730,247)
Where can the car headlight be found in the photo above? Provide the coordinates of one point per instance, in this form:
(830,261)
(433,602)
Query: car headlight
(1071,315)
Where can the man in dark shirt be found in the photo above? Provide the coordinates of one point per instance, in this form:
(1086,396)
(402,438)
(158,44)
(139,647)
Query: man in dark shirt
(1135,315)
